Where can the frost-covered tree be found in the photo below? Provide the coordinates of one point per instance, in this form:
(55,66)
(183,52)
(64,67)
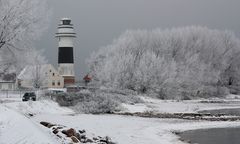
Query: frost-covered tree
(173,63)
(38,69)
(34,70)
(21,22)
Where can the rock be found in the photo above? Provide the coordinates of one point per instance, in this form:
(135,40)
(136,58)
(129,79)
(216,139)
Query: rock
(89,141)
(59,136)
(83,136)
(30,114)
(50,125)
(74,139)
(47,124)
(106,140)
(95,139)
(81,131)
(103,141)
(99,137)
(70,132)
(60,127)
(78,136)
(55,131)
(44,123)
(64,132)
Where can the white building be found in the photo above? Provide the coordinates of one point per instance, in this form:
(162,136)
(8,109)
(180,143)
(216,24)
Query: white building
(65,36)
(40,76)
(7,81)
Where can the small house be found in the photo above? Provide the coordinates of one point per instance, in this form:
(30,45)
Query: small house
(40,76)
(7,81)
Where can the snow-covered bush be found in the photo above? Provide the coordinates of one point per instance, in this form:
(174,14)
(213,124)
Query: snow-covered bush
(173,64)
(100,101)
(97,104)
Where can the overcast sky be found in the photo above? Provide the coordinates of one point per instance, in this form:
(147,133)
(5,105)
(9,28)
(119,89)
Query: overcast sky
(98,22)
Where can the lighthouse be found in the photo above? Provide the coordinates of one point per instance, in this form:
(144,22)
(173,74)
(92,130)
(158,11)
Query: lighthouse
(65,36)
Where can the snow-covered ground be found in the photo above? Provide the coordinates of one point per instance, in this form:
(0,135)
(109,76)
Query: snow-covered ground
(17,127)
(132,130)
(188,106)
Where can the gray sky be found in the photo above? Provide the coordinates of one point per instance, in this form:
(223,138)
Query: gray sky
(98,22)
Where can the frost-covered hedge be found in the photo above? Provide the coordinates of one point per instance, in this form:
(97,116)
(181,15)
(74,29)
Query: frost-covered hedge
(177,63)
(100,101)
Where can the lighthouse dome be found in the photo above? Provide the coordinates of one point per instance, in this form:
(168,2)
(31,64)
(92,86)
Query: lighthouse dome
(65,28)
(66,21)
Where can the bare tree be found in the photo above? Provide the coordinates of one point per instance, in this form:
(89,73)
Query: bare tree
(21,22)
(38,69)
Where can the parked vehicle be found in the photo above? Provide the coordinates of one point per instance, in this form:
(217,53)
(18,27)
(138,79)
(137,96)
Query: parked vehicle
(29,96)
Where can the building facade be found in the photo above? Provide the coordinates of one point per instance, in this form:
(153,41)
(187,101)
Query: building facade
(8,81)
(40,76)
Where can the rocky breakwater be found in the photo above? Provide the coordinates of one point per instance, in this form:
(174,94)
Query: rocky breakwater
(71,135)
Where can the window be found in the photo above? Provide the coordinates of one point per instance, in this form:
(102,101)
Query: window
(10,86)
(53,83)
(66,22)
(0,86)
(59,83)
(50,70)
(53,74)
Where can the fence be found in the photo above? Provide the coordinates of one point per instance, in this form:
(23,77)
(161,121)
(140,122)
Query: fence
(12,93)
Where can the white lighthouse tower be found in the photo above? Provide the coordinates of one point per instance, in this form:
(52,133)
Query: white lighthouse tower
(65,37)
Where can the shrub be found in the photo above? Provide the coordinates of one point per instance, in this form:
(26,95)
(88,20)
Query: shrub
(100,101)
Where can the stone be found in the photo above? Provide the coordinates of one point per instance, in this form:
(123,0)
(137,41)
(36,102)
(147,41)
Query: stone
(47,124)
(88,141)
(70,132)
(74,139)
(95,139)
(83,136)
(55,131)
(78,136)
(59,127)
(30,114)
(59,136)
(44,123)
(50,125)
(81,131)
(64,132)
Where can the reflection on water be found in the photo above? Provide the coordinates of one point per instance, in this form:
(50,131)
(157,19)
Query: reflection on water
(213,136)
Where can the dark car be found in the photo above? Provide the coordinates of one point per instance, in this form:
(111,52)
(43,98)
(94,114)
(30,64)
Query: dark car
(29,96)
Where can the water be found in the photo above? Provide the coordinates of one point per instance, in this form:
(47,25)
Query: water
(213,136)
(232,111)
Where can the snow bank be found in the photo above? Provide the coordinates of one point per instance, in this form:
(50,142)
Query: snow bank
(39,107)
(17,129)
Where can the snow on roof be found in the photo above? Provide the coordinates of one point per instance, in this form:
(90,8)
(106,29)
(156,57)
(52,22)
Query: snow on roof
(65,19)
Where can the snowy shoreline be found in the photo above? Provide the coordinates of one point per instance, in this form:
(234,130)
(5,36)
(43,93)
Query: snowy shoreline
(134,130)
(122,129)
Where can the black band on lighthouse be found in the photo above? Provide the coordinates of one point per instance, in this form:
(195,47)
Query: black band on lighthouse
(65,55)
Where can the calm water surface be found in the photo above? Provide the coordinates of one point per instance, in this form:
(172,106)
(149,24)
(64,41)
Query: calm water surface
(213,136)
(231,111)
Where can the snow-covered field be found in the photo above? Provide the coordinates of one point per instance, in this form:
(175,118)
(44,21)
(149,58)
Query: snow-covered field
(17,127)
